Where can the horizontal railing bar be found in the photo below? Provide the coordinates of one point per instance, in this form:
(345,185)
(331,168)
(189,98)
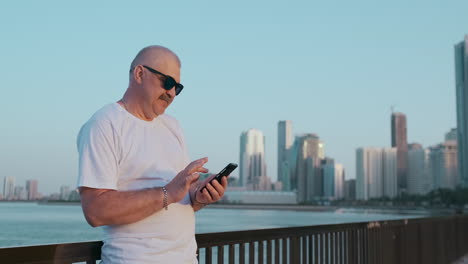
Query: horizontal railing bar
(61,253)
(214,239)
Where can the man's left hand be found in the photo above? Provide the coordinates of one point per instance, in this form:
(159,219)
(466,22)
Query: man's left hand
(212,192)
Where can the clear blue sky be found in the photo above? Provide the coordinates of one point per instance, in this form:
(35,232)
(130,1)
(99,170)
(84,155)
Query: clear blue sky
(332,67)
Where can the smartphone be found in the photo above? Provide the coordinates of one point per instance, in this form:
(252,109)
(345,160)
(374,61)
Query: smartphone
(224,172)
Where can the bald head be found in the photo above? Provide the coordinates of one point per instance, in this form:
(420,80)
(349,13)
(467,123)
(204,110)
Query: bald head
(154,56)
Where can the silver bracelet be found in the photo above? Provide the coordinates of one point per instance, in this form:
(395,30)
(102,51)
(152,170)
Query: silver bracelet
(165,197)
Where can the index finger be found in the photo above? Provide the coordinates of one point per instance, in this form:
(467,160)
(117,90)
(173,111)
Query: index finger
(196,164)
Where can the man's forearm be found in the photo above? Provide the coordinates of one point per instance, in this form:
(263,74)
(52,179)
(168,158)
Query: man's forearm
(112,207)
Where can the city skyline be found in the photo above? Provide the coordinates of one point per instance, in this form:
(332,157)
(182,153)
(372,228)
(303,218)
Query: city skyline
(333,70)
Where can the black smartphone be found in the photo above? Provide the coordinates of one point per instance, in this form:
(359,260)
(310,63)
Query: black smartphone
(224,172)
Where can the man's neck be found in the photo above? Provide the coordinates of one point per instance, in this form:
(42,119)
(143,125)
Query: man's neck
(135,109)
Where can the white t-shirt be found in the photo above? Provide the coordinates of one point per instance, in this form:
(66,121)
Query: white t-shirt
(121,152)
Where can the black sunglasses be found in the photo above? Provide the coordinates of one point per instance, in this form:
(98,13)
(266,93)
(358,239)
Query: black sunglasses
(169,82)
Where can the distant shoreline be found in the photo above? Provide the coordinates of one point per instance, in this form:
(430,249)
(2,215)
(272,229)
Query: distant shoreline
(292,207)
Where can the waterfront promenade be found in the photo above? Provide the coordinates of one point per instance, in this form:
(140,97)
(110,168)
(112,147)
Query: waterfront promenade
(437,240)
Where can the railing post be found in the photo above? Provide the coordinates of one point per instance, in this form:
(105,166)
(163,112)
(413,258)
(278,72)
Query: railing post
(277,251)
(284,246)
(269,251)
(242,253)
(252,252)
(220,254)
(304,248)
(260,251)
(208,255)
(316,248)
(231,253)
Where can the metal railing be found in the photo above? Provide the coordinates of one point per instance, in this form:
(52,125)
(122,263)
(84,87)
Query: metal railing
(439,240)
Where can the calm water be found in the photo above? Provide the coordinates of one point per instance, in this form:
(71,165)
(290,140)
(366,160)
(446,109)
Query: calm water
(33,224)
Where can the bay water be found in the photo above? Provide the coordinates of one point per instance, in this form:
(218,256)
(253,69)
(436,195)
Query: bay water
(23,224)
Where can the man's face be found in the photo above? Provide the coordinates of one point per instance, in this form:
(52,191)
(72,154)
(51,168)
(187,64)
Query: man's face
(153,85)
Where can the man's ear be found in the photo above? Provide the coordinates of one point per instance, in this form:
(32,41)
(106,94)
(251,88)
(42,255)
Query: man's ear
(138,74)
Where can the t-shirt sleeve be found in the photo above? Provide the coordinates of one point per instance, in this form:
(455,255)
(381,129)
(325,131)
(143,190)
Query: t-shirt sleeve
(97,161)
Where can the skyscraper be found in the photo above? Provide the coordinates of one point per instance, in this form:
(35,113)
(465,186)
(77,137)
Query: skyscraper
(350,189)
(400,142)
(19,193)
(64,193)
(333,179)
(451,135)
(419,179)
(252,158)
(461,83)
(339,181)
(308,177)
(285,141)
(31,189)
(328,174)
(376,173)
(8,188)
(443,165)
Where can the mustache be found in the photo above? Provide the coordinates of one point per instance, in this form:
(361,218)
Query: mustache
(166,98)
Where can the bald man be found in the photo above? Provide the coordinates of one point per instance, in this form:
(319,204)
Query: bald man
(135,178)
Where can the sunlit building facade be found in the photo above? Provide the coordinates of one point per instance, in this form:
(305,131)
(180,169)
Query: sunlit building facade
(252,158)
(8,188)
(308,176)
(419,178)
(443,165)
(31,189)
(376,173)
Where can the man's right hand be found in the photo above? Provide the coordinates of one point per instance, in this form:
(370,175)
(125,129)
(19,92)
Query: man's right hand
(180,185)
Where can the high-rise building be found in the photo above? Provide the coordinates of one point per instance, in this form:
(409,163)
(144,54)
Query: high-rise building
(461,83)
(64,193)
(443,165)
(451,135)
(333,179)
(327,167)
(31,189)
(285,141)
(376,173)
(400,142)
(339,181)
(264,183)
(308,178)
(8,188)
(293,155)
(350,189)
(419,179)
(252,158)
(20,193)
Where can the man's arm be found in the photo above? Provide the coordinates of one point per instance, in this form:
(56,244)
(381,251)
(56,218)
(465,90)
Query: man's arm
(111,207)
